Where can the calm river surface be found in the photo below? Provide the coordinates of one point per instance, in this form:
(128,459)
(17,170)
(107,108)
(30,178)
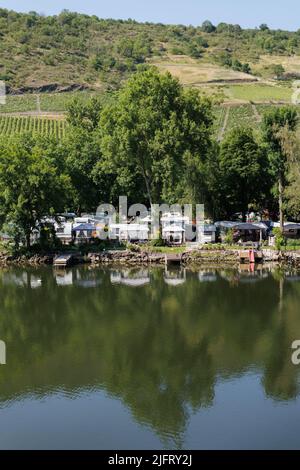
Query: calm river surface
(143,359)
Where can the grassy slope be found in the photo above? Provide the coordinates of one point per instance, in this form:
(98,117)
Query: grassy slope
(74,49)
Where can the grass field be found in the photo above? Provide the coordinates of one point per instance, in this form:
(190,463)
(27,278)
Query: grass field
(213,79)
(59,102)
(192,72)
(259,93)
(46,102)
(56,102)
(19,104)
(290,63)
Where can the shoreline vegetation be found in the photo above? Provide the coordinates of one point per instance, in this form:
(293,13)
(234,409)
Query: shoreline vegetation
(127,257)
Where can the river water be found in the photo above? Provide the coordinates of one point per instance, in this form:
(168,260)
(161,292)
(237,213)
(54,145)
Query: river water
(149,359)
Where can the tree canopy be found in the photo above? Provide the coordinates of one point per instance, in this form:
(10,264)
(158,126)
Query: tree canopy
(33,184)
(158,133)
(244,173)
(279,126)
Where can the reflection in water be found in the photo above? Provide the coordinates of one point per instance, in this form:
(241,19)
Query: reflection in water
(63,277)
(131,278)
(174,277)
(159,340)
(21,279)
(207,275)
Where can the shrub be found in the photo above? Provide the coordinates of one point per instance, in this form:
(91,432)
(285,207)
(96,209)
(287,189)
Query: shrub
(280,241)
(158,242)
(229,237)
(134,248)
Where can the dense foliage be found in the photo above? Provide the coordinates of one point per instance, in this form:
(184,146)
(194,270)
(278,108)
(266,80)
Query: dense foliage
(33,184)
(160,134)
(244,171)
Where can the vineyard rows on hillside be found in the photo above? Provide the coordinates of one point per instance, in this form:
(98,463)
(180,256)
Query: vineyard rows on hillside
(226,117)
(10,125)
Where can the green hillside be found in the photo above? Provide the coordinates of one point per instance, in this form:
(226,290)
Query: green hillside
(72,51)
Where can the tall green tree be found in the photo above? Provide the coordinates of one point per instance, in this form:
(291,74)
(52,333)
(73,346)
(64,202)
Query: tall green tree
(291,197)
(158,133)
(32,184)
(243,174)
(82,153)
(277,123)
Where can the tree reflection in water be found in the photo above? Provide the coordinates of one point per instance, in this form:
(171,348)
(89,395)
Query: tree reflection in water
(157,339)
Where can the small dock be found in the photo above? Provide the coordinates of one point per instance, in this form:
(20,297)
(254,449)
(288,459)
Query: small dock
(67,260)
(171,258)
(250,256)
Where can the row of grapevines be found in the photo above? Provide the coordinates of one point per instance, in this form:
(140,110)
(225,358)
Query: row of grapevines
(10,125)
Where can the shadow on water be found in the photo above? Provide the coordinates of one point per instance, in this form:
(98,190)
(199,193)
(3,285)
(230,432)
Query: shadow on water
(158,339)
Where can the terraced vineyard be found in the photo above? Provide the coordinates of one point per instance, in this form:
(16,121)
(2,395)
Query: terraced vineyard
(10,125)
(13,118)
(242,115)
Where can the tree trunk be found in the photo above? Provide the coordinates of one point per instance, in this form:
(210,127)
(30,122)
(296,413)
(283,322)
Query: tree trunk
(28,240)
(143,167)
(280,200)
(148,190)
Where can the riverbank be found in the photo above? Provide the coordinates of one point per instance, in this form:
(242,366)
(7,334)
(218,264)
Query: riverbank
(190,257)
(23,260)
(202,256)
(128,257)
(158,258)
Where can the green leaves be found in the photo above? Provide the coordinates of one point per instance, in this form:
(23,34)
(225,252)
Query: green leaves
(243,169)
(148,130)
(279,128)
(32,185)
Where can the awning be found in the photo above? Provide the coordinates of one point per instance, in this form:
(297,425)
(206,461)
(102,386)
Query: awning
(291,227)
(173,229)
(246,226)
(83,227)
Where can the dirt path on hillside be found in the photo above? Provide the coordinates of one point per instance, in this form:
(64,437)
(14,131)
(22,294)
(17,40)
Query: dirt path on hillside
(256,113)
(223,128)
(38,103)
